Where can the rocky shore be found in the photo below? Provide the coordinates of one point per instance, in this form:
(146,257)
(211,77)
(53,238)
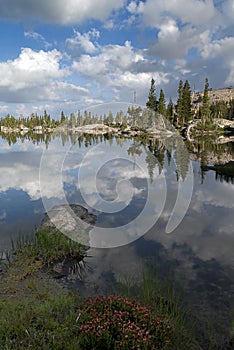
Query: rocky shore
(94,129)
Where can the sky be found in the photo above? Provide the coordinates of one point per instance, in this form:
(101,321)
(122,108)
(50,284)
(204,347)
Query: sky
(82,54)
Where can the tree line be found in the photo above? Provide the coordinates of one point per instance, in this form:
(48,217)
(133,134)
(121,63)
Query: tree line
(183,111)
(30,122)
(179,114)
(46,121)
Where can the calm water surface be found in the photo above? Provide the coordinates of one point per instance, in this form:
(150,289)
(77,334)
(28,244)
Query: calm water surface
(198,253)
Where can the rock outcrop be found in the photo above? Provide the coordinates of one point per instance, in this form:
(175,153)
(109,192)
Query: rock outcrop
(71,219)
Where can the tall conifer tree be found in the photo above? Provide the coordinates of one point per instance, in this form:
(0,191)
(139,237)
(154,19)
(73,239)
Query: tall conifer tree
(162,104)
(205,103)
(170,110)
(179,105)
(152,100)
(186,103)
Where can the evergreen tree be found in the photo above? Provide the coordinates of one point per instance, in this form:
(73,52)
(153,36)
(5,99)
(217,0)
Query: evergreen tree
(134,113)
(162,104)
(186,103)
(230,114)
(125,120)
(145,118)
(170,110)
(205,104)
(219,109)
(118,118)
(105,119)
(87,118)
(110,118)
(152,101)
(100,119)
(79,119)
(72,120)
(179,105)
(63,117)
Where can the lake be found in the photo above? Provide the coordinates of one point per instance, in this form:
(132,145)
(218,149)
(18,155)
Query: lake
(163,203)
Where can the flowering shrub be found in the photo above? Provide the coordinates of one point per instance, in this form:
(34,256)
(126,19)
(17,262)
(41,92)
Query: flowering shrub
(114,322)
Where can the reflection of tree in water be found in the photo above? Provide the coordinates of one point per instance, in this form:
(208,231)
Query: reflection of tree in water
(151,161)
(161,147)
(36,138)
(168,157)
(159,153)
(226,178)
(120,141)
(155,153)
(181,157)
(223,172)
(65,137)
(73,138)
(211,150)
(135,149)
(157,149)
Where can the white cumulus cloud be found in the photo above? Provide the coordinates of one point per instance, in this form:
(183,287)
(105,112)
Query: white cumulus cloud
(30,68)
(82,42)
(37,76)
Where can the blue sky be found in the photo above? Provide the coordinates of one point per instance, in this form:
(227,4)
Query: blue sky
(72,55)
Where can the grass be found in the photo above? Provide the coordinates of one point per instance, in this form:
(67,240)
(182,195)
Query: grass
(42,250)
(161,296)
(62,321)
(48,247)
(39,324)
(37,313)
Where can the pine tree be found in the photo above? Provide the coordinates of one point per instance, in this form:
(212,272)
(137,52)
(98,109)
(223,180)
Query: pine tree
(218,110)
(63,117)
(152,101)
(87,118)
(117,118)
(162,104)
(186,103)
(179,106)
(230,114)
(72,120)
(110,118)
(79,119)
(170,110)
(205,104)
